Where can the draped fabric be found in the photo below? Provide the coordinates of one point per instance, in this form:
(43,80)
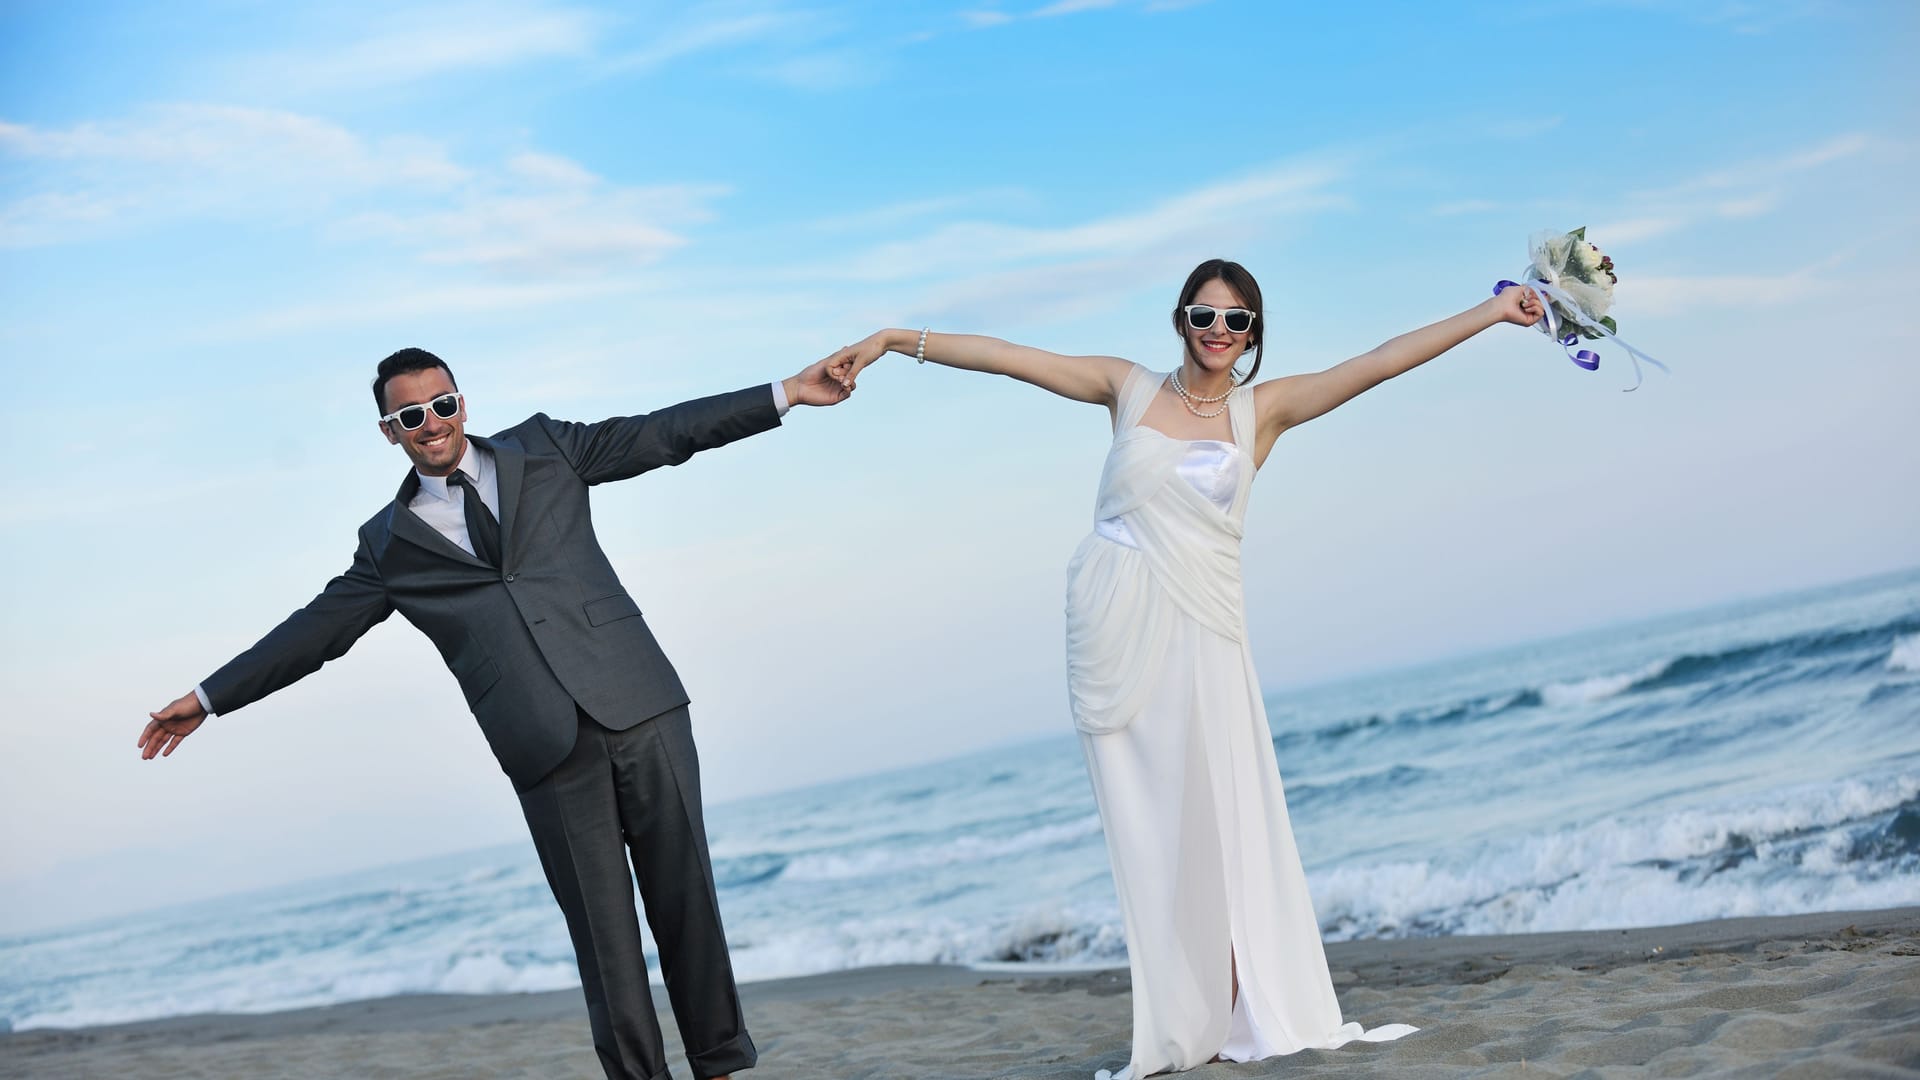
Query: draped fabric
(1165,696)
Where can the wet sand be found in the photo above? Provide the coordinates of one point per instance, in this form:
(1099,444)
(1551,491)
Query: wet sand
(1828,995)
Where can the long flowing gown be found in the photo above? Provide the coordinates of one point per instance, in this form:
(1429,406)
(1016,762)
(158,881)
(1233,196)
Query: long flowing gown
(1168,705)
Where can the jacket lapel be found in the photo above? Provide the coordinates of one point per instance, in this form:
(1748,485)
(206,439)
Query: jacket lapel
(509,470)
(407,526)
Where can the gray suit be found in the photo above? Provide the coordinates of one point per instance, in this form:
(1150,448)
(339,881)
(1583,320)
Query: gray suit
(561,672)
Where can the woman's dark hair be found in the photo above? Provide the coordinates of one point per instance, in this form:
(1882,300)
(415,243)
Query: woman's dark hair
(408,361)
(1241,282)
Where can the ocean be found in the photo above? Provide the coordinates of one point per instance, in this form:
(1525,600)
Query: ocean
(1757,758)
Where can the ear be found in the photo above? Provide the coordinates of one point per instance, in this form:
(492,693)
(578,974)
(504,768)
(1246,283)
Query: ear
(387,431)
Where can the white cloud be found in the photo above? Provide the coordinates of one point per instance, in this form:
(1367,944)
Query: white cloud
(984,18)
(380,306)
(1635,229)
(427,43)
(546,216)
(1468,206)
(187,160)
(687,40)
(1749,190)
(833,70)
(1749,175)
(536,215)
(980,20)
(894,215)
(1072,7)
(1214,210)
(1709,293)
(968,271)
(1740,16)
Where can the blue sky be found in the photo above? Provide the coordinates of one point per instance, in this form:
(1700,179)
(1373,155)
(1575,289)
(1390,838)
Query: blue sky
(216,217)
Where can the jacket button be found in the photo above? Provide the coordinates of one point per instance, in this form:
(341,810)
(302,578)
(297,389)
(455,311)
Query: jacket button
(510,578)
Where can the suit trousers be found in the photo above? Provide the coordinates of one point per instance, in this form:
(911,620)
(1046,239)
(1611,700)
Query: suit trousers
(635,794)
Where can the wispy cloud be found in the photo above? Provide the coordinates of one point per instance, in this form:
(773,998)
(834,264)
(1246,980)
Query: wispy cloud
(1072,7)
(1752,174)
(1751,189)
(1468,206)
(533,216)
(1276,192)
(414,305)
(546,216)
(181,161)
(1722,292)
(424,43)
(895,215)
(965,270)
(1740,16)
(688,39)
(828,70)
(982,18)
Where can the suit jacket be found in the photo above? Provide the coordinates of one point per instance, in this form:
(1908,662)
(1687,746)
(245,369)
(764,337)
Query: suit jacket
(549,629)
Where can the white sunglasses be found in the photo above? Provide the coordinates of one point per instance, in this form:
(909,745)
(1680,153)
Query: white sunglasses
(446,407)
(1203,316)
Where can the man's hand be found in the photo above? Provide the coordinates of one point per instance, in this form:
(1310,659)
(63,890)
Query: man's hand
(815,385)
(847,364)
(171,725)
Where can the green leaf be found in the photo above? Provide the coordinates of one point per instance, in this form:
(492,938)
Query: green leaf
(1607,321)
(1579,233)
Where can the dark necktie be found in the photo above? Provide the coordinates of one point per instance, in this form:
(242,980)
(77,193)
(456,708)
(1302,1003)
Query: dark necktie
(482,529)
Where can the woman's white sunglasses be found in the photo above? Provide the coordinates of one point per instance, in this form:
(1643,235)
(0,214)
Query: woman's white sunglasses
(1203,316)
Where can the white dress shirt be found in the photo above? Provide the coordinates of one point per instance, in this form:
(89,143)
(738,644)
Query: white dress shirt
(444,506)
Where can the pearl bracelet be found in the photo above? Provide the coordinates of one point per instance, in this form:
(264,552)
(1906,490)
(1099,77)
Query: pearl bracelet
(920,352)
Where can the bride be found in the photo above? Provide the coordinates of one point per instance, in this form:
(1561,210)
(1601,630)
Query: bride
(1221,937)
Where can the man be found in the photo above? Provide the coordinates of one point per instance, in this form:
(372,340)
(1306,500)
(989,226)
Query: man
(489,550)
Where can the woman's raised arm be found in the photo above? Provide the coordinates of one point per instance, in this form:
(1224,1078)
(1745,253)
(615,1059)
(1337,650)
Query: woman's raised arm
(1295,399)
(1093,379)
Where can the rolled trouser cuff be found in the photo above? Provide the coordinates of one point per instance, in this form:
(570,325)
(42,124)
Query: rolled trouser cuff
(731,1056)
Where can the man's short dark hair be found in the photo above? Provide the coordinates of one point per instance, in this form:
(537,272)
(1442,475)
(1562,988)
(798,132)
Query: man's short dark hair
(405,362)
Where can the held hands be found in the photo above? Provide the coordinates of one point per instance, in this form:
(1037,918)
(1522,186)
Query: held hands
(171,725)
(847,364)
(817,385)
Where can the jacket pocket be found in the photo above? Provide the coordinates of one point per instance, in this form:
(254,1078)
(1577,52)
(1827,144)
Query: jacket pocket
(477,673)
(609,608)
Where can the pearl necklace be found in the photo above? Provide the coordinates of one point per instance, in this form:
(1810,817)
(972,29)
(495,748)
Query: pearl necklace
(1187,398)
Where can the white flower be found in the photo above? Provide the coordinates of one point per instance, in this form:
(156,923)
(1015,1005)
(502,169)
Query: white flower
(1586,258)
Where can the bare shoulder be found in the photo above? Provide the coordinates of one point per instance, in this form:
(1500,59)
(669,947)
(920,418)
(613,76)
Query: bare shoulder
(1271,398)
(1115,369)
(1095,379)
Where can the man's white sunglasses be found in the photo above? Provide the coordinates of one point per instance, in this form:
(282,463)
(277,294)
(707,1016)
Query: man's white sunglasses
(446,407)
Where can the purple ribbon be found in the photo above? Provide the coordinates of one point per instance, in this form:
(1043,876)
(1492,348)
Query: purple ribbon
(1585,358)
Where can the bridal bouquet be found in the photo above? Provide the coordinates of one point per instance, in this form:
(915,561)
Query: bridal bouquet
(1577,280)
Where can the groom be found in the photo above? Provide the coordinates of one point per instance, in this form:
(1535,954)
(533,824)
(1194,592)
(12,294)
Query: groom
(489,549)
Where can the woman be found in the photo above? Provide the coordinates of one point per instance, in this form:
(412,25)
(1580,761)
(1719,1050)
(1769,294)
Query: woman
(1221,937)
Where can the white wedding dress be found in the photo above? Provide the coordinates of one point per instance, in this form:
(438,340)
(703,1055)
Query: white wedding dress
(1169,708)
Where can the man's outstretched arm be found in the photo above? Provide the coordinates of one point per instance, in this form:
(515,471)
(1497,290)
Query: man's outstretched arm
(327,627)
(626,446)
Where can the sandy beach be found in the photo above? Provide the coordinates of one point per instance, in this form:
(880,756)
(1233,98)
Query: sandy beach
(1828,995)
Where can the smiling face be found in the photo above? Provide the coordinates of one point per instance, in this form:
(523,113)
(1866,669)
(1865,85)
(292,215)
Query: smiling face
(1216,348)
(435,446)
(1221,284)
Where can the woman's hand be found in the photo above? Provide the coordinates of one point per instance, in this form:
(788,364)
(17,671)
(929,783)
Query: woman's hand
(1519,305)
(847,364)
